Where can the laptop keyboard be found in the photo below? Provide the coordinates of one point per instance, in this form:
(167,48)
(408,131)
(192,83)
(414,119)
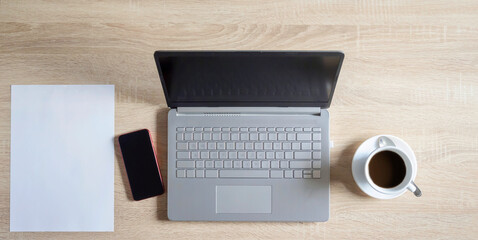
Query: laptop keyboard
(248,152)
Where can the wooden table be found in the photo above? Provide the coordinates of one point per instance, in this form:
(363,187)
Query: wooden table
(411,70)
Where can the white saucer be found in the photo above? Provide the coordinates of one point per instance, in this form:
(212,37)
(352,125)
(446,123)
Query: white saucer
(361,156)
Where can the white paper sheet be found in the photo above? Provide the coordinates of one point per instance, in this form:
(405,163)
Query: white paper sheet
(62,158)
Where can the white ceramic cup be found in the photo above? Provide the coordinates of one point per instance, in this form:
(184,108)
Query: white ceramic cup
(386,144)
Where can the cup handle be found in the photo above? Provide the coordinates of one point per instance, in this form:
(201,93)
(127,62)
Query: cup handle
(414,189)
(385,141)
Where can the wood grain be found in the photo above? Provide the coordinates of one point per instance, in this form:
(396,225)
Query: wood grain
(411,70)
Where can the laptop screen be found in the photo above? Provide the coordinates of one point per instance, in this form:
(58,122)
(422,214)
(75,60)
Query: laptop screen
(234,79)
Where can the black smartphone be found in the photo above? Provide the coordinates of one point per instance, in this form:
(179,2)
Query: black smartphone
(141,165)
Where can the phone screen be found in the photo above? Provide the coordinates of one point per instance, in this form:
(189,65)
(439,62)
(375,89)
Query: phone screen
(141,166)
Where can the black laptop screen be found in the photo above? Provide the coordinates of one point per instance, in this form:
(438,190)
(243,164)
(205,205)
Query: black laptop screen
(282,79)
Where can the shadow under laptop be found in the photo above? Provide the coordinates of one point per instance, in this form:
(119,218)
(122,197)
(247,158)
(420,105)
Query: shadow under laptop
(161,146)
(341,170)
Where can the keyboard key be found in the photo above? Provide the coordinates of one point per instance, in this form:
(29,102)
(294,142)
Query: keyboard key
(235,129)
(280,155)
(232,155)
(286,145)
(211,173)
(284,164)
(265,164)
(244,136)
(189,129)
(226,129)
(280,129)
(307,172)
(206,136)
(199,164)
(181,173)
(180,129)
(207,129)
(276,174)
(239,145)
(256,164)
(288,174)
(307,176)
(244,173)
(281,136)
(243,129)
(261,129)
(230,145)
(258,146)
(211,145)
(277,145)
(252,129)
(271,129)
(316,129)
(237,164)
(272,136)
(295,146)
(181,155)
(226,136)
(188,136)
(181,146)
(234,136)
(218,164)
(223,155)
(307,129)
(270,155)
(202,145)
(195,155)
(246,164)
(303,137)
(249,146)
(251,155)
(179,136)
(192,145)
(197,136)
(316,174)
(216,136)
(209,164)
(214,155)
(316,164)
(199,173)
(241,155)
(268,145)
(316,145)
(316,136)
(275,164)
(316,155)
(204,155)
(297,129)
(302,155)
(262,136)
(261,155)
(253,136)
(289,129)
(297,173)
(299,164)
(289,155)
(221,145)
(190,173)
(306,146)
(291,136)
(227,164)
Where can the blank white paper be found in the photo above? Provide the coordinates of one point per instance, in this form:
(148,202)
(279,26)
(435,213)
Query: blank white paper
(62,158)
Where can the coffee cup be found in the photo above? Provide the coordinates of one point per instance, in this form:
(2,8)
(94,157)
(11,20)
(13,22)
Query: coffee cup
(389,170)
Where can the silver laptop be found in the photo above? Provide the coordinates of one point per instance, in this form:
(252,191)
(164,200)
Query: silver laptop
(248,134)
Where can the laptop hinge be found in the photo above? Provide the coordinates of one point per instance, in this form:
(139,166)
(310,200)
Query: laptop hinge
(245,111)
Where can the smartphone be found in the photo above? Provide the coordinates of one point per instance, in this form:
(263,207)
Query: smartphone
(141,164)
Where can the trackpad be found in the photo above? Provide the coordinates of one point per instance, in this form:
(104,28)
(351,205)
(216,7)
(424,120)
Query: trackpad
(243,199)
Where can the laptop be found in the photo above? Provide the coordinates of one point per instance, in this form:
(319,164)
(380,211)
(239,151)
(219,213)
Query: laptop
(248,134)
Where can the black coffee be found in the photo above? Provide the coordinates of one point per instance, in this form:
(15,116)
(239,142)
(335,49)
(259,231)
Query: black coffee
(387,169)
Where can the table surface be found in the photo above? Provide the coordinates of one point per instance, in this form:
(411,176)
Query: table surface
(410,70)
